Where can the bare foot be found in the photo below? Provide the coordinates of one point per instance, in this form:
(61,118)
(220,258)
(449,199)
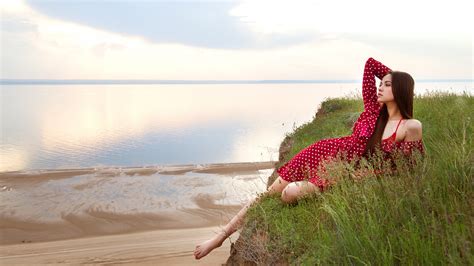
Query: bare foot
(207,246)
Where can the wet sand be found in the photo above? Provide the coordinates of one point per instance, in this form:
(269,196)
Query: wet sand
(84,231)
(172,247)
(51,174)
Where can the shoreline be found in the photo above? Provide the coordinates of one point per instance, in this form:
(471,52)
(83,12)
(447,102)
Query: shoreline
(31,195)
(214,168)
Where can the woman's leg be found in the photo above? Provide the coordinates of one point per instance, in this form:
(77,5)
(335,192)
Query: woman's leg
(204,248)
(295,190)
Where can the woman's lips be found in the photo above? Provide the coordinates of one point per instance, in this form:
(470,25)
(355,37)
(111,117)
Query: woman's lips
(379,94)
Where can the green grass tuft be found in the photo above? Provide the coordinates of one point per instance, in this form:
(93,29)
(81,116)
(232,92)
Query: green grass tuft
(423,216)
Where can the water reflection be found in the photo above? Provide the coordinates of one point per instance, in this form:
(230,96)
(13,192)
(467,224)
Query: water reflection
(70,126)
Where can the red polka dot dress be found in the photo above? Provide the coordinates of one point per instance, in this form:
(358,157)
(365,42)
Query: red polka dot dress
(304,165)
(389,146)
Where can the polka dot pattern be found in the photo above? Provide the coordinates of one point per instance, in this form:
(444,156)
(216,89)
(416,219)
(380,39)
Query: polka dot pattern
(305,164)
(407,147)
(390,145)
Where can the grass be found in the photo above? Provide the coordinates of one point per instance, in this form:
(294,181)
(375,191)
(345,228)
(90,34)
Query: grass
(421,216)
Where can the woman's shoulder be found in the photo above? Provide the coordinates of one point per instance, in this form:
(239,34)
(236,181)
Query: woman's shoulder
(413,124)
(413,128)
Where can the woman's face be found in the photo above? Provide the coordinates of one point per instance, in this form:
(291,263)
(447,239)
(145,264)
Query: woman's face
(384,93)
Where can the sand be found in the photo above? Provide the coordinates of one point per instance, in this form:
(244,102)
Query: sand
(172,247)
(164,236)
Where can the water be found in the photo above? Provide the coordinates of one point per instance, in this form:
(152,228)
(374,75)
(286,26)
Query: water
(94,125)
(45,198)
(135,135)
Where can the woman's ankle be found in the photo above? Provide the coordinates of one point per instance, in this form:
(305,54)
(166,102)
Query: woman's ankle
(222,236)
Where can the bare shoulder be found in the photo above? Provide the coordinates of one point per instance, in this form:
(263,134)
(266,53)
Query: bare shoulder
(413,123)
(413,130)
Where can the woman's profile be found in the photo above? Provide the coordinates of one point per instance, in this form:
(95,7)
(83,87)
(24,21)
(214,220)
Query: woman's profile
(386,124)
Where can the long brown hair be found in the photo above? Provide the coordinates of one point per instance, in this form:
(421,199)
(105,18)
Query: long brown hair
(403,90)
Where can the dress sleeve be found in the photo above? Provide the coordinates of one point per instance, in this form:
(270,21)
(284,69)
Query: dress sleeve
(413,151)
(372,69)
(408,147)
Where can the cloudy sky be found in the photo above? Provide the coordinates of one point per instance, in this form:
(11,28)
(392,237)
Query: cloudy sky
(238,40)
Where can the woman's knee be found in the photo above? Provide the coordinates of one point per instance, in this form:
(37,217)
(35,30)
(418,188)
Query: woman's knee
(290,192)
(278,185)
(295,190)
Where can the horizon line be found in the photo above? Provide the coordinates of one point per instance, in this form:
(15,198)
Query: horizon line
(177,81)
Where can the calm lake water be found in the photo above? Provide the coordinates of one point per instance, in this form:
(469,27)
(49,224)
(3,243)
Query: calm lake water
(75,126)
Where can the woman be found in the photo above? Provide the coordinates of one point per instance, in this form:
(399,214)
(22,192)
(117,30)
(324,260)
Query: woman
(385,123)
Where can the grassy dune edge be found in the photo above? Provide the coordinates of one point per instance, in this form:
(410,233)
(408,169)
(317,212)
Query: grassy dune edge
(423,216)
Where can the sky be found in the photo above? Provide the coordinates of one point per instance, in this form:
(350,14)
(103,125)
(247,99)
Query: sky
(233,40)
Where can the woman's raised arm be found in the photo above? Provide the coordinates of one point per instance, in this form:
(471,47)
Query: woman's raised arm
(372,69)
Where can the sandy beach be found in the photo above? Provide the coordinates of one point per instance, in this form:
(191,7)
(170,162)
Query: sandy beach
(172,247)
(133,215)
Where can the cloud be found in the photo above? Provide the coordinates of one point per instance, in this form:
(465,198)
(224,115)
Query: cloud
(13,24)
(196,23)
(404,17)
(35,45)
